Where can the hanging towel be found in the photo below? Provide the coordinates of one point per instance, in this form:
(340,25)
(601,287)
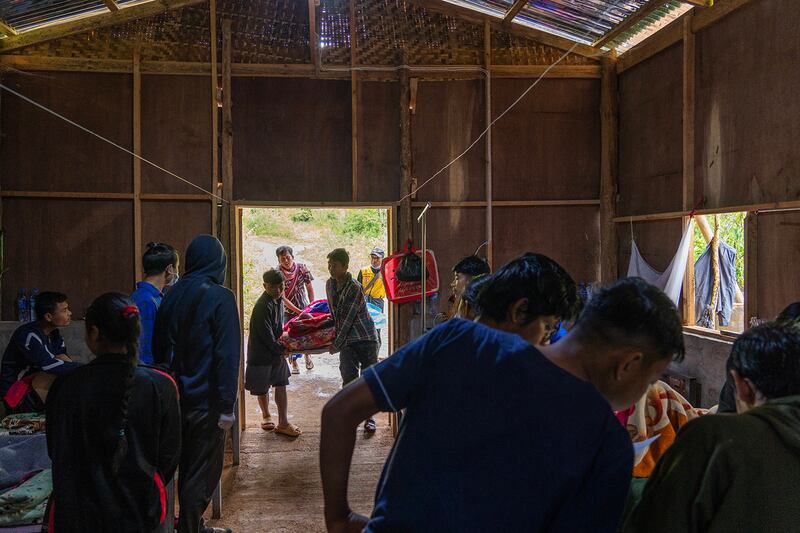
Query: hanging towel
(704,283)
(671,280)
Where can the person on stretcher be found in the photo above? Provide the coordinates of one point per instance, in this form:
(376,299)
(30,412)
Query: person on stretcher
(35,356)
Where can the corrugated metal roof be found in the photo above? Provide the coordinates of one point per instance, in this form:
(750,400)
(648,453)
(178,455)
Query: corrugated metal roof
(584,21)
(23,15)
(657,20)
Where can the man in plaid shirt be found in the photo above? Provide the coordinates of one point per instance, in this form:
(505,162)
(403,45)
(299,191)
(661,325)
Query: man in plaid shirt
(356,338)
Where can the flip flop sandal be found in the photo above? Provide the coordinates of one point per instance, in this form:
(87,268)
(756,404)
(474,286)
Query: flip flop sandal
(309,364)
(290,430)
(267,424)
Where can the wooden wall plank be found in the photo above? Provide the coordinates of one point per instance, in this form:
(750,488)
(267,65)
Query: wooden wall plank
(292,139)
(650,160)
(80,247)
(548,146)
(379,141)
(176,133)
(158,224)
(779,254)
(569,235)
(748,113)
(41,152)
(449,116)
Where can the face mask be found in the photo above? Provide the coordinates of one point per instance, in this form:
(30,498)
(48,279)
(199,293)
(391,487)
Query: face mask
(174,279)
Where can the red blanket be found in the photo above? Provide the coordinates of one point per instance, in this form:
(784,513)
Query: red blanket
(309,334)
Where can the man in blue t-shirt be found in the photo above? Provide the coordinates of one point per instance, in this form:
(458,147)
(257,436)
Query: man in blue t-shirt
(160,265)
(500,436)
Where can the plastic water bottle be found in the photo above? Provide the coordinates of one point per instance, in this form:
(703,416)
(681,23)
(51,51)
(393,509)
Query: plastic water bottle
(32,305)
(23,314)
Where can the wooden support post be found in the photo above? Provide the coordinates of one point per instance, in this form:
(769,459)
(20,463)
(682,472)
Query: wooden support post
(313,37)
(354,97)
(688,160)
(137,163)
(405,157)
(111,5)
(227,147)
(487,63)
(750,268)
(229,215)
(608,169)
(214,119)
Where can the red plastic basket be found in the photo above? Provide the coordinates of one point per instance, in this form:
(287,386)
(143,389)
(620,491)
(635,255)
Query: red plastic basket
(408,291)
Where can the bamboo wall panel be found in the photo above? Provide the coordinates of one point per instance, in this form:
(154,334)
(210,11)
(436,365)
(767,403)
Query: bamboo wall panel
(548,146)
(291,139)
(80,247)
(449,116)
(452,235)
(650,135)
(657,241)
(174,223)
(379,142)
(41,152)
(176,133)
(569,235)
(748,112)
(778,257)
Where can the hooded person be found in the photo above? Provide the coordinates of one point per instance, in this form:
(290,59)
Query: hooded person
(736,472)
(197,336)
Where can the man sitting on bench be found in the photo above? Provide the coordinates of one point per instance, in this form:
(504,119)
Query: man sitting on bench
(35,356)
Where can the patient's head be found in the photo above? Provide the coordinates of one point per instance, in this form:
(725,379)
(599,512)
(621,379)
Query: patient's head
(765,364)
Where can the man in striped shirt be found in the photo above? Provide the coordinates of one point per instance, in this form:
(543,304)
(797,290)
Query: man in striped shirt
(356,338)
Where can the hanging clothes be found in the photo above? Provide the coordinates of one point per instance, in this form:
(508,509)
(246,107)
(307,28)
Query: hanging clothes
(671,280)
(704,283)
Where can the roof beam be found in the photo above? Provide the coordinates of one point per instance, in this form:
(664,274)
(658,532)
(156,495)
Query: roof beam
(513,10)
(121,16)
(540,36)
(7,30)
(700,3)
(630,21)
(112,6)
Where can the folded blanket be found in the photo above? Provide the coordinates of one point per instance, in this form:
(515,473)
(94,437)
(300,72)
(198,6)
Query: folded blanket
(660,412)
(23,423)
(26,504)
(20,455)
(310,334)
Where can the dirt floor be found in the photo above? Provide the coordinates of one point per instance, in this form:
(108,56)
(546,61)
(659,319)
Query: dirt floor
(277,486)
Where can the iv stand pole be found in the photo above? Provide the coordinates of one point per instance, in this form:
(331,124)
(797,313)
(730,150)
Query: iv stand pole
(423,220)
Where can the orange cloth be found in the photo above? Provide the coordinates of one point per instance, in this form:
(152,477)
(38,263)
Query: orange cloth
(661,411)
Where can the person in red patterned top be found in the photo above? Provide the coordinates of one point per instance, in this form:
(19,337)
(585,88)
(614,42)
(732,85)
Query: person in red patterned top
(298,294)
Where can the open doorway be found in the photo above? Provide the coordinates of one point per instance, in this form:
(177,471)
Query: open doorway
(311,232)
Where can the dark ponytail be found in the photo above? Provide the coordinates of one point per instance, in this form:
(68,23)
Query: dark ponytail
(117,319)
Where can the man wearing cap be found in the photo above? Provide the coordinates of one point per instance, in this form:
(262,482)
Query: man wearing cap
(372,282)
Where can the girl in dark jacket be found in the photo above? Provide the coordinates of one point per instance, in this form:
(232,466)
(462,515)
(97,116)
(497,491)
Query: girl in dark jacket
(113,431)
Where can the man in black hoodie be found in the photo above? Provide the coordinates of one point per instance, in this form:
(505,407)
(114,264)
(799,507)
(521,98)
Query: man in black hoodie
(198,337)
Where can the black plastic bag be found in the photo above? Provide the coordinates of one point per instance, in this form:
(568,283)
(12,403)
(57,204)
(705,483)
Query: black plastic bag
(410,268)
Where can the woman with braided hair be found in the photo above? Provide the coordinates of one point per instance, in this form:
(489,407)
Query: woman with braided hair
(113,431)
